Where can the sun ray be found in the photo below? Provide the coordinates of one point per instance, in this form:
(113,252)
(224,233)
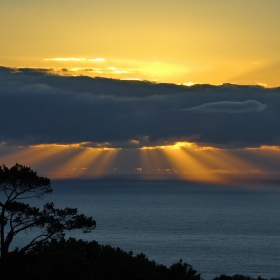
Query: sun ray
(127,161)
(22,155)
(227,160)
(148,160)
(154,162)
(77,165)
(189,167)
(182,160)
(103,163)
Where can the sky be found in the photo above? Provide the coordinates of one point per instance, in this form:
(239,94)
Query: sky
(177,41)
(144,89)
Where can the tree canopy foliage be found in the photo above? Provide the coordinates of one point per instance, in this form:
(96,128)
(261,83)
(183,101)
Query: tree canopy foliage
(20,183)
(78,259)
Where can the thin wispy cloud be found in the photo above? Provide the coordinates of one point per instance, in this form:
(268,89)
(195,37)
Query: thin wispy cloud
(76,59)
(98,59)
(229,107)
(114,70)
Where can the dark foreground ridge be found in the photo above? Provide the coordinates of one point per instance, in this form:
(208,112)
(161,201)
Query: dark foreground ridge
(78,259)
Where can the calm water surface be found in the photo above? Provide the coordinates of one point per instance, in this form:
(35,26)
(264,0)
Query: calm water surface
(218,230)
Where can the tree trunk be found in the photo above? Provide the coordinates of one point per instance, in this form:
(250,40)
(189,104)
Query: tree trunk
(2,235)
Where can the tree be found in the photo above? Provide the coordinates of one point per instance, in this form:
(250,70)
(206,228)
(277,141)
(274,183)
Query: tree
(21,183)
(183,271)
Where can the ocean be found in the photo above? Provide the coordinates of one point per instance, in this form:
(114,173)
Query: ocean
(216,229)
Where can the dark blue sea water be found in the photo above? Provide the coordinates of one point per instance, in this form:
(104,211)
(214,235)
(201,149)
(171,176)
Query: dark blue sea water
(216,229)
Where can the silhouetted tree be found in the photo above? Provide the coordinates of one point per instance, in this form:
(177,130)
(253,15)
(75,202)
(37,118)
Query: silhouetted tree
(183,271)
(19,183)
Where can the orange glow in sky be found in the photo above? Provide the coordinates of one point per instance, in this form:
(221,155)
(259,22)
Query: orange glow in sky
(166,41)
(183,160)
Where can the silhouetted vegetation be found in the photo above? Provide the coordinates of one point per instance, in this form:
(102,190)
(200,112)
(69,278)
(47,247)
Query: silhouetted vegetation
(240,277)
(21,183)
(77,259)
(82,260)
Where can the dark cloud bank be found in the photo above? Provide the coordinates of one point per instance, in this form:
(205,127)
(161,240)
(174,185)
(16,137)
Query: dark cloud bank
(39,107)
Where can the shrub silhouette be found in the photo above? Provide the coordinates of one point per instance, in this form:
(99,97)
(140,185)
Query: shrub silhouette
(77,259)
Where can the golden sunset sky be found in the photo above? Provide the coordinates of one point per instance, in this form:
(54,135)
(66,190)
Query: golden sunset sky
(229,135)
(178,41)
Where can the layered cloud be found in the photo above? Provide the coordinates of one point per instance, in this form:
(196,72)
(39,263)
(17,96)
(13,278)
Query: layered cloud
(40,107)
